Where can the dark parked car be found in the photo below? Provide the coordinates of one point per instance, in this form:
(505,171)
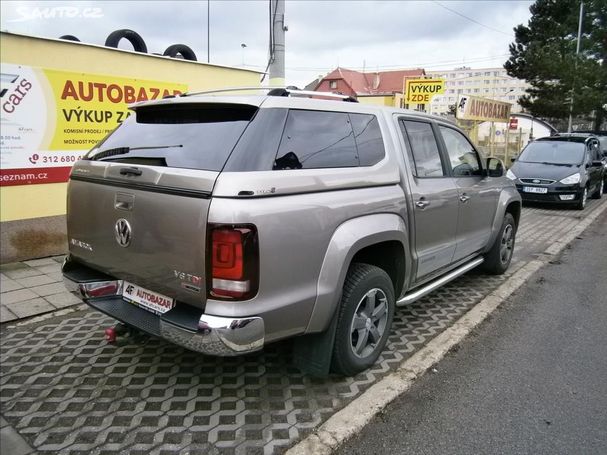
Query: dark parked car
(560,169)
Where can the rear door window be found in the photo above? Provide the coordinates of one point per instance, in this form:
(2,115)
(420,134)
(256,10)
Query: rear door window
(193,136)
(424,149)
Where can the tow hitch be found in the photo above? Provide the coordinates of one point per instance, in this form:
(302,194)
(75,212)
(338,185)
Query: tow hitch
(111,333)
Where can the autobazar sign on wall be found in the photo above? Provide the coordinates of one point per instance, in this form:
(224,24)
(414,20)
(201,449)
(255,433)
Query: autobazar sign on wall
(51,118)
(483,109)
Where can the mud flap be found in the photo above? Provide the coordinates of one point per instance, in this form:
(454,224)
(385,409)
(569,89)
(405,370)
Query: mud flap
(312,353)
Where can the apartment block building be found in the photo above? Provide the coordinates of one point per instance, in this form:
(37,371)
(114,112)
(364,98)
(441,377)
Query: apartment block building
(493,83)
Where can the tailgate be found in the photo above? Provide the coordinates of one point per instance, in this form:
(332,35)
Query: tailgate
(138,203)
(150,231)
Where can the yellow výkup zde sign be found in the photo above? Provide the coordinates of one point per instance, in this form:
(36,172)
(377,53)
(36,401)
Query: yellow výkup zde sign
(421,91)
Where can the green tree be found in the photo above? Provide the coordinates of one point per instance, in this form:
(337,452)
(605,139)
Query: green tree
(544,54)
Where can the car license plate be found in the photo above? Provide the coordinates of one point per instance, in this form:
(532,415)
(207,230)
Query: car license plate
(534,189)
(146,299)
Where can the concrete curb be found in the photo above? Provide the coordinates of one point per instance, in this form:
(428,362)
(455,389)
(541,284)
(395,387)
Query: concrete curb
(351,419)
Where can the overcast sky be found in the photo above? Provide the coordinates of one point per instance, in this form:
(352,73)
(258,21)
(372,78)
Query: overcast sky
(322,34)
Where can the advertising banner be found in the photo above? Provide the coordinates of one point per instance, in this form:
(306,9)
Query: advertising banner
(482,109)
(51,118)
(421,91)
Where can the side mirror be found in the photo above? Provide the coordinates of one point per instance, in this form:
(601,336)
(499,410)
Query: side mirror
(513,159)
(495,167)
(597,164)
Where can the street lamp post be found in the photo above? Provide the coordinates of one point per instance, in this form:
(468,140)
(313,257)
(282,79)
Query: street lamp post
(577,51)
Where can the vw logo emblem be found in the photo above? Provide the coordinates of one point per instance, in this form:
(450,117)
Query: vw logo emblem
(536,181)
(122,232)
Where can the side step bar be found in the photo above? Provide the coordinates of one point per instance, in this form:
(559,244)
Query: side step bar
(433,285)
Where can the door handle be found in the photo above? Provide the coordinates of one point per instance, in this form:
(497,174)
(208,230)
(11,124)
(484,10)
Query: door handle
(422,203)
(130,171)
(464,198)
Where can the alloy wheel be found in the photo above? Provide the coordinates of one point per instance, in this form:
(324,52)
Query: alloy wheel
(507,244)
(369,322)
(584,197)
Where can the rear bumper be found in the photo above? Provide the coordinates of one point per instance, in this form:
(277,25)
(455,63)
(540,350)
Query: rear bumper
(182,325)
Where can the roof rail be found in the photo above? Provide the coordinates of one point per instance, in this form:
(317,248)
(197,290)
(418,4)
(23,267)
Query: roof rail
(276,91)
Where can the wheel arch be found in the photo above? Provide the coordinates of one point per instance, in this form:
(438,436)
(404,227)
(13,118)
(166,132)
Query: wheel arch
(509,202)
(363,238)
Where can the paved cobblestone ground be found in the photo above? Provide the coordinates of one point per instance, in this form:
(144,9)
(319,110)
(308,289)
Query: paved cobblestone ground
(32,287)
(64,390)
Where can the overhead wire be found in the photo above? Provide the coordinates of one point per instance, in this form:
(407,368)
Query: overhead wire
(408,65)
(471,19)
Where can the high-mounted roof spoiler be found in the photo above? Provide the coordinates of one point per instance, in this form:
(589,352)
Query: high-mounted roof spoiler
(275,91)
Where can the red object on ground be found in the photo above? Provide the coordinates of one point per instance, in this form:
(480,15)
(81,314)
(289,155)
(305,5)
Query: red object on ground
(110,334)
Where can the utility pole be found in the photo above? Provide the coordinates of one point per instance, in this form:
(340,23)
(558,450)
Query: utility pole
(577,51)
(277,43)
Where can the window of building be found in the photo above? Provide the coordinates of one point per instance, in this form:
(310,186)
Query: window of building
(487,81)
(424,150)
(476,90)
(460,83)
(487,73)
(333,84)
(512,97)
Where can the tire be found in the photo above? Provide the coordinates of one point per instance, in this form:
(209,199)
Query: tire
(367,289)
(598,194)
(133,37)
(180,49)
(581,204)
(69,38)
(498,258)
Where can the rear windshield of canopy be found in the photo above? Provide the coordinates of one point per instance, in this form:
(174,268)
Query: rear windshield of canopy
(196,136)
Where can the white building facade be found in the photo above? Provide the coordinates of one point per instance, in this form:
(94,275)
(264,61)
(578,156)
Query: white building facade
(492,83)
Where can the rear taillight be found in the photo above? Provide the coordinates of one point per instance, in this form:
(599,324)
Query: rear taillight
(234,262)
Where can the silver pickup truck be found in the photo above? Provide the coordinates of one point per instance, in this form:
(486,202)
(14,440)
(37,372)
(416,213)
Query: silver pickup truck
(225,222)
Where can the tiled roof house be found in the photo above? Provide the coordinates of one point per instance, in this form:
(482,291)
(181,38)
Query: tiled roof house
(355,83)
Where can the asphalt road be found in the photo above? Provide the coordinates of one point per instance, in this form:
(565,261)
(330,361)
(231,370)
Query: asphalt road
(531,380)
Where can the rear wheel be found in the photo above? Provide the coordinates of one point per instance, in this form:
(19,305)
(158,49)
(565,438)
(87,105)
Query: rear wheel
(598,194)
(498,258)
(364,320)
